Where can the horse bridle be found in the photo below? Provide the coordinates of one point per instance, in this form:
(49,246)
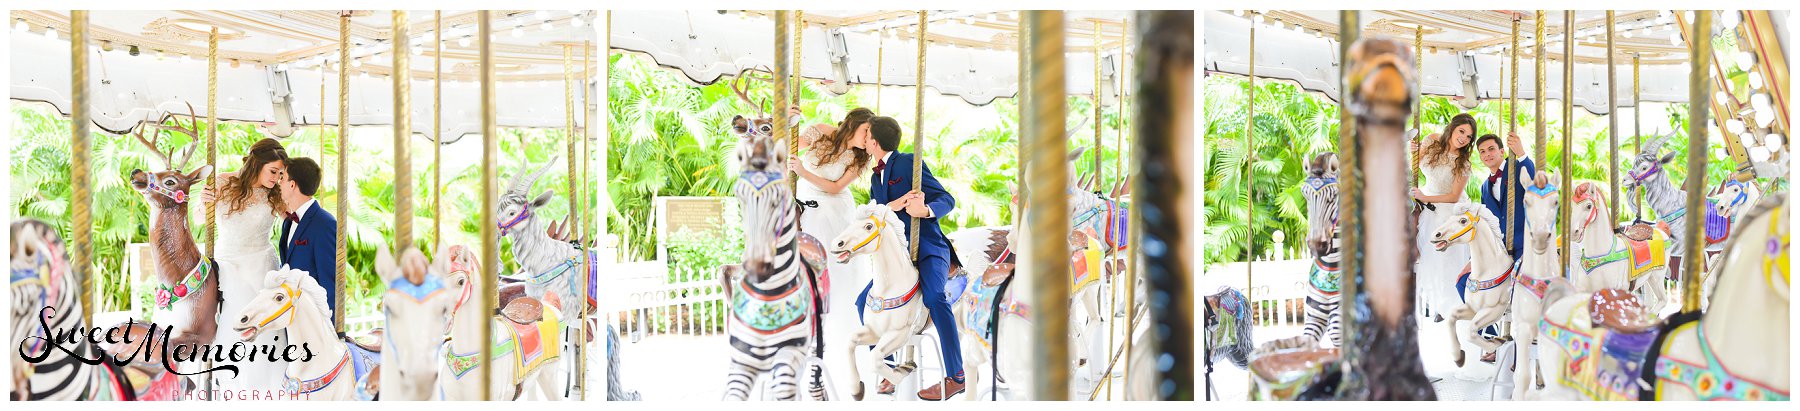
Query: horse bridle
(1467,228)
(524,214)
(287,307)
(873,234)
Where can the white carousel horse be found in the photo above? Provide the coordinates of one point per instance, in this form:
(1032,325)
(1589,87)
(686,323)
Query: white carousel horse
(775,302)
(436,295)
(1539,281)
(1487,282)
(1606,256)
(1608,347)
(552,266)
(44,295)
(891,317)
(1739,348)
(292,300)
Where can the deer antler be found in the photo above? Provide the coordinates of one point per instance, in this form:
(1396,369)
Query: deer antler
(151,144)
(192,130)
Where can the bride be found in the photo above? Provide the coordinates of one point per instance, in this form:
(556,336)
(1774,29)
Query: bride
(1445,163)
(827,170)
(246,216)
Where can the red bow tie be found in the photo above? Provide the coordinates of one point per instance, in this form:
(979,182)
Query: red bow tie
(879,165)
(293,218)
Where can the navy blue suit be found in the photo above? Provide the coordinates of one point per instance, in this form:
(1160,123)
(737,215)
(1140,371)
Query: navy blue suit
(1493,195)
(313,248)
(933,262)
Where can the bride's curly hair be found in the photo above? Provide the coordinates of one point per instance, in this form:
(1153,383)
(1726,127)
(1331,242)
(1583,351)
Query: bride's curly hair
(836,144)
(236,193)
(1434,152)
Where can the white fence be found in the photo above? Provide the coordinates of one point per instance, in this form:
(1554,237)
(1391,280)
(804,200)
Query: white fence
(644,299)
(1278,297)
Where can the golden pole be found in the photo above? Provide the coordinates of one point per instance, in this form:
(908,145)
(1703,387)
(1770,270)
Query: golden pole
(1048,258)
(587,155)
(212,134)
(437,133)
(1165,137)
(575,212)
(81,165)
(1512,98)
(794,90)
(1568,165)
(1419,67)
(1350,186)
(1510,165)
(490,150)
(1099,173)
(343,165)
(918,145)
(1537,93)
(880,54)
(403,182)
(1612,112)
(1130,253)
(1250,185)
(1700,57)
(1023,100)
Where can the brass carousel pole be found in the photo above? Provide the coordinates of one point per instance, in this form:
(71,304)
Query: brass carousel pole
(1612,112)
(1049,259)
(1099,172)
(1537,93)
(1568,165)
(81,165)
(437,134)
(1020,186)
(212,156)
(1637,133)
(575,207)
(403,182)
(1700,57)
(1250,186)
(1165,136)
(1512,126)
(587,255)
(343,164)
(918,145)
(1131,254)
(490,150)
(783,40)
(1350,185)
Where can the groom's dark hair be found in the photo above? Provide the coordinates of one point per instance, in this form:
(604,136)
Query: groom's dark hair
(305,174)
(886,132)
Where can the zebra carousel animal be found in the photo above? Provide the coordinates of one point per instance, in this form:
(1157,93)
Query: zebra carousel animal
(1323,321)
(44,294)
(775,297)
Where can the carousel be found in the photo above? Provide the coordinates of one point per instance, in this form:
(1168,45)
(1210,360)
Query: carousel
(781,319)
(1620,278)
(337,103)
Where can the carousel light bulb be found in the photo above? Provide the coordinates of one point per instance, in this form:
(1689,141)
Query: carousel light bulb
(1720,96)
(281,67)
(1689,14)
(1745,59)
(50,32)
(577,22)
(463,41)
(518,31)
(1756,80)
(418,51)
(22,26)
(363,75)
(1299,29)
(1675,39)
(1626,34)
(1772,140)
(547,26)
(1734,126)
(1759,153)
(1729,18)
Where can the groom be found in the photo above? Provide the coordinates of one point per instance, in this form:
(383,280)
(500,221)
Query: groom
(309,236)
(891,184)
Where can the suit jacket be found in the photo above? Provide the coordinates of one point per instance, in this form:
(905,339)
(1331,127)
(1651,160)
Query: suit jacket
(1493,195)
(313,248)
(896,182)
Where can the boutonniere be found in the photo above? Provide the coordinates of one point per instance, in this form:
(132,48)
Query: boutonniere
(301,242)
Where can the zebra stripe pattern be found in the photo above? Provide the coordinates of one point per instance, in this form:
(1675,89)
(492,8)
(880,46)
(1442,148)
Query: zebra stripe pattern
(772,278)
(37,278)
(1323,320)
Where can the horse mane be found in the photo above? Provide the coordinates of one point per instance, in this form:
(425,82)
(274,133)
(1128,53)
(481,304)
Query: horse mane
(309,287)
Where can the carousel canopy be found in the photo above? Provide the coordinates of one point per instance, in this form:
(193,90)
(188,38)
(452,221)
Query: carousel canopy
(970,54)
(147,63)
(1464,51)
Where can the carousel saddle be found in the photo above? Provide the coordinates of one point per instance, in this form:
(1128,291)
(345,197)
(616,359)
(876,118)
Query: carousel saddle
(509,292)
(523,310)
(1620,312)
(1282,375)
(370,342)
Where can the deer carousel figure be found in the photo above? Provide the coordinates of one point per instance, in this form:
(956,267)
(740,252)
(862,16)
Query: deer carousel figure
(775,296)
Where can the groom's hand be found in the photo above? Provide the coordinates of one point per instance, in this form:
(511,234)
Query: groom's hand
(898,204)
(915,205)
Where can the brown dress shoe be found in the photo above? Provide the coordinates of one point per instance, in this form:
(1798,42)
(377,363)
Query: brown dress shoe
(941,391)
(886,387)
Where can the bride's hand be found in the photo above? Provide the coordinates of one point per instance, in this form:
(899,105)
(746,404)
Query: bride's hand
(1418,195)
(207,195)
(793,165)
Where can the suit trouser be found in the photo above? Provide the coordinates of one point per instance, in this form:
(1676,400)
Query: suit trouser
(934,271)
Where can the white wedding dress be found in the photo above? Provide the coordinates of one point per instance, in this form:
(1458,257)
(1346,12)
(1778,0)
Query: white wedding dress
(245,256)
(847,280)
(1437,271)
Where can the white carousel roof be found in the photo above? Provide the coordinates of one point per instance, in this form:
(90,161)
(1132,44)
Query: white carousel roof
(1470,48)
(971,54)
(269,66)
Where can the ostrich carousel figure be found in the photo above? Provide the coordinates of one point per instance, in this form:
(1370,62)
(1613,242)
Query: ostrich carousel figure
(774,294)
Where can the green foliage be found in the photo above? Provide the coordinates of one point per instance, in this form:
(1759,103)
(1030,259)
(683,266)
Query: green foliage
(1293,125)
